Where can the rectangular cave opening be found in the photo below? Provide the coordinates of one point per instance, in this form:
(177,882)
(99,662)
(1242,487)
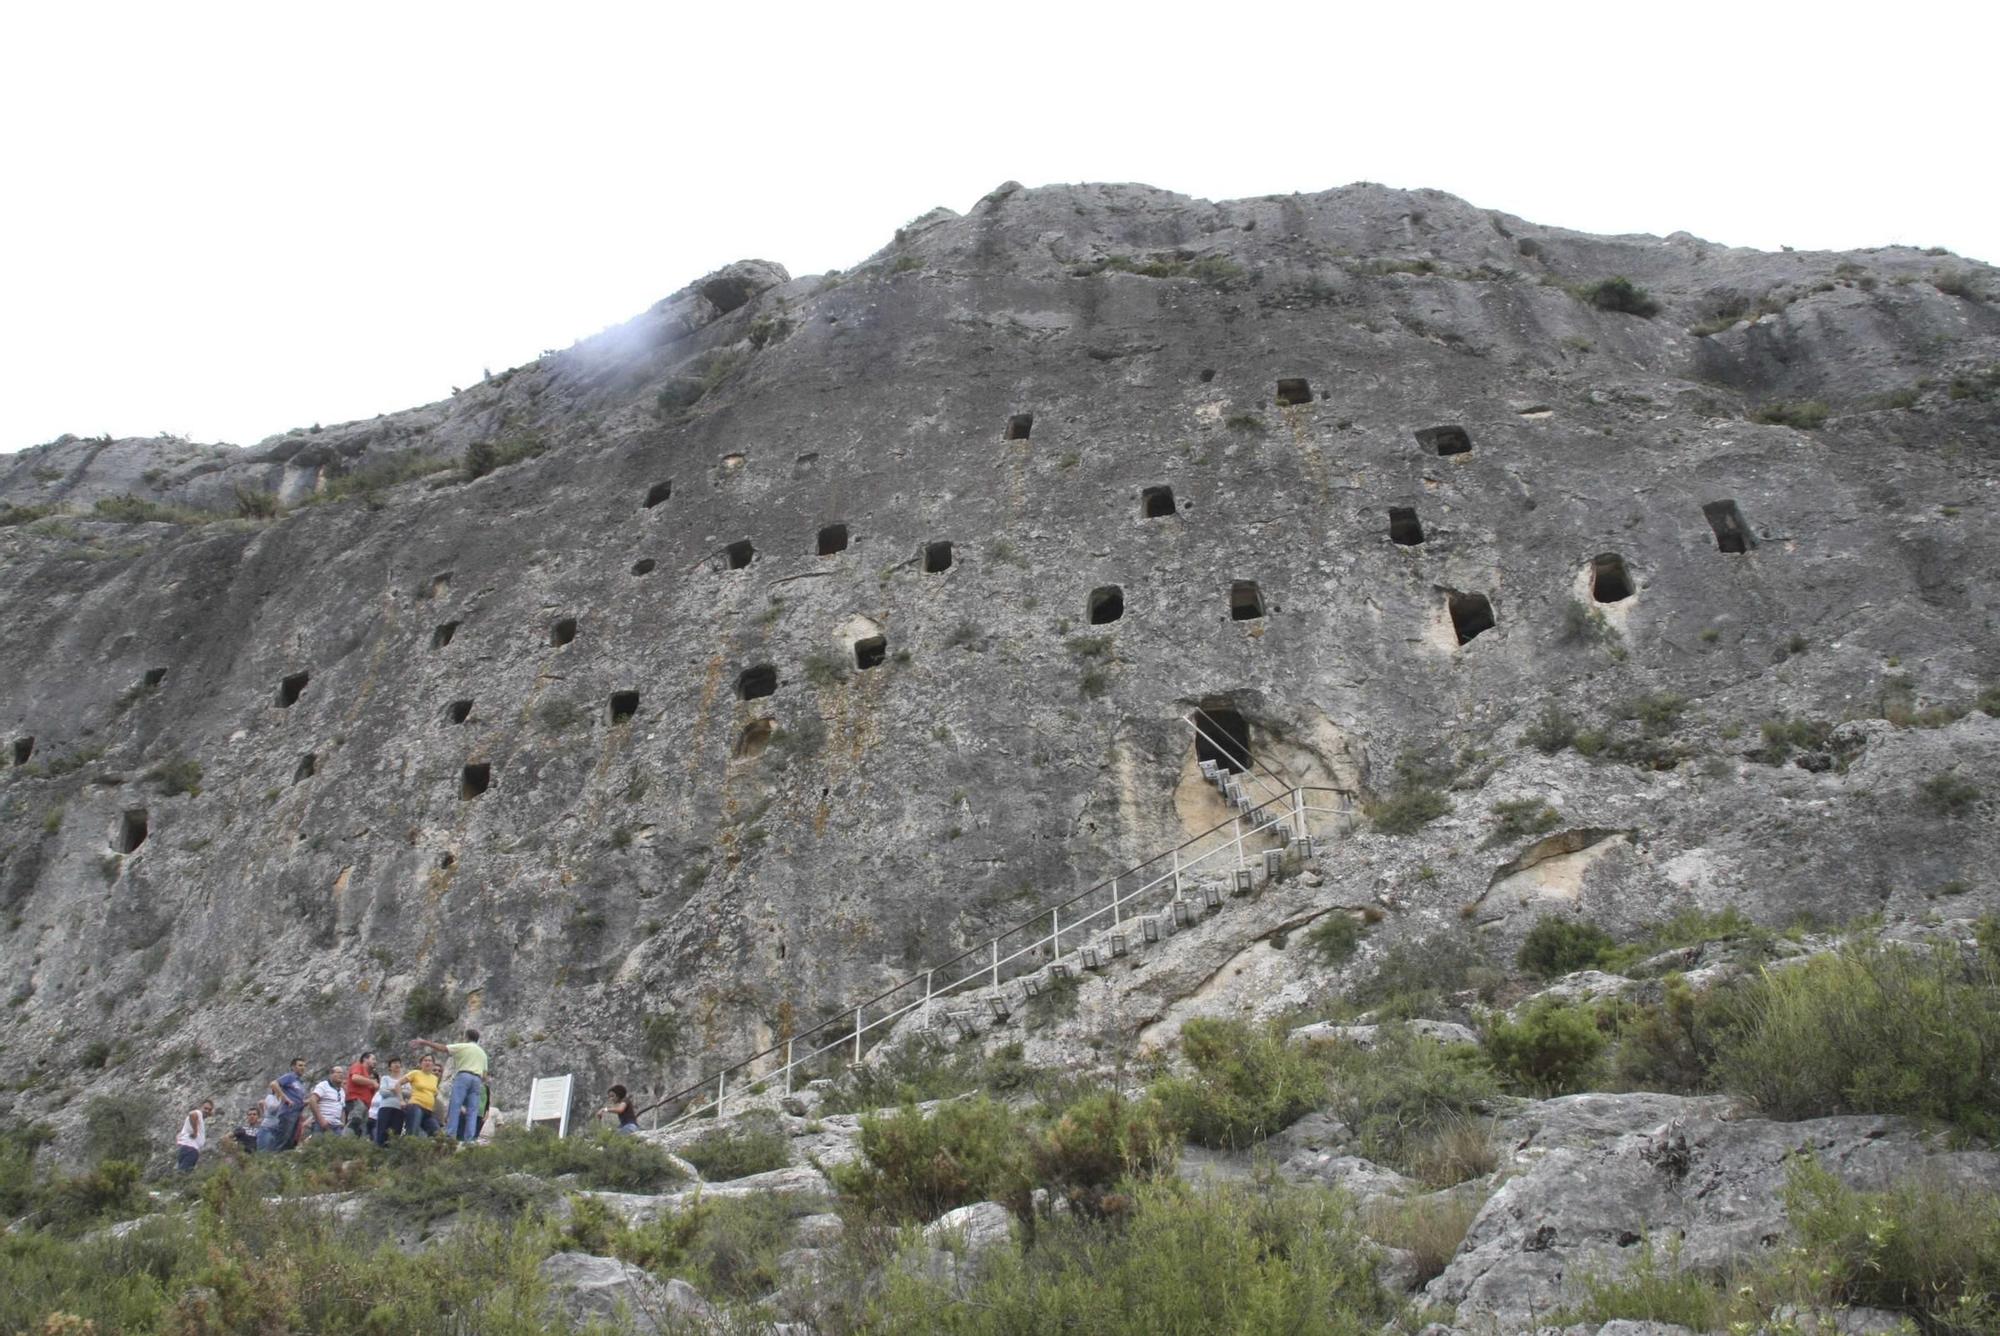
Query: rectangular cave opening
(739,554)
(1107,604)
(1019,425)
(660,491)
(756,682)
(24,750)
(308,766)
(937,558)
(291,688)
(442,636)
(1405,529)
(832,539)
(1156,503)
(1445,440)
(132,830)
(1731,533)
(155,676)
(644,566)
(1610,582)
(458,711)
(562,632)
(440,583)
(1222,735)
(624,704)
(1294,391)
(475,779)
(1471,614)
(1246,601)
(870,651)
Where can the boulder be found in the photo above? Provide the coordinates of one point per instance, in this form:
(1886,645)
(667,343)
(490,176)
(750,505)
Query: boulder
(1598,1176)
(1363,1036)
(584,1288)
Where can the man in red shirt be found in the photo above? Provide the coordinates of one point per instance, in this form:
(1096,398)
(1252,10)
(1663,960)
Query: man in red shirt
(360,1092)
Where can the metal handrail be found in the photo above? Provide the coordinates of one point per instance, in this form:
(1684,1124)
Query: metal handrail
(987,973)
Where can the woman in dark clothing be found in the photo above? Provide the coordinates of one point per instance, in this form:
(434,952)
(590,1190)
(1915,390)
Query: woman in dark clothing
(621,1106)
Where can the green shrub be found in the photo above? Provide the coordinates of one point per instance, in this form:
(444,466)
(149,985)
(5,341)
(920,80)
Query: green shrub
(1233,1259)
(120,1127)
(1671,1045)
(1870,1029)
(1559,944)
(1248,423)
(1648,1290)
(1552,730)
(1805,414)
(1247,1083)
(254,504)
(1658,712)
(1619,294)
(377,476)
(1335,938)
(1429,1228)
(1551,1050)
(916,1166)
(1518,818)
(725,1155)
(1958,283)
(726,1248)
(1406,809)
(1782,736)
(1923,1247)
(1949,793)
(429,1009)
(1406,1092)
(484,457)
(1980,385)
(138,510)
(1584,625)
(180,775)
(1102,1141)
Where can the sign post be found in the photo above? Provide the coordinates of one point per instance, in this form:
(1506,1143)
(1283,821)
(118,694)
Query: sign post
(548,1102)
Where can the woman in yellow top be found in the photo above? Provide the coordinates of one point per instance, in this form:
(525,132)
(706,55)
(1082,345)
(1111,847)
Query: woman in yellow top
(420,1114)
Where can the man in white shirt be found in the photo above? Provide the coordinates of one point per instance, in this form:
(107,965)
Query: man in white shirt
(329,1102)
(193,1136)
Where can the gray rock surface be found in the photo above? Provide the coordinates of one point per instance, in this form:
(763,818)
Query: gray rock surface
(728,869)
(586,1288)
(1595,1177)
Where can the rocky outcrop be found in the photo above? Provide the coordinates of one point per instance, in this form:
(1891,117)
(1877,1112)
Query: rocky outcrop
(623,1297)
(479,729)
(1592,1180)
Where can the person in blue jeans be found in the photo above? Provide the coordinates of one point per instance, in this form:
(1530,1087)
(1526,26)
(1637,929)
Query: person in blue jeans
(461,1110)
(290,1088)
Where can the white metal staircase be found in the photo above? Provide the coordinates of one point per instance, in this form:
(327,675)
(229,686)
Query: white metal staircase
(1140,906)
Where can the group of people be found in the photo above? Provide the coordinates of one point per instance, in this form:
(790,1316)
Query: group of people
(447,1091)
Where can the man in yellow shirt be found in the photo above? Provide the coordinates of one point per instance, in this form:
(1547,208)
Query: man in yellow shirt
(461,1110)
(420,1118)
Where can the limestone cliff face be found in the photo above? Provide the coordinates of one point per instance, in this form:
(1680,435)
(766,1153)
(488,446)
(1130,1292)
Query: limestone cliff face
(509,738)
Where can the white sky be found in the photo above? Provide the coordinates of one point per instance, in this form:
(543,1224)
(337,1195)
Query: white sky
(227,220)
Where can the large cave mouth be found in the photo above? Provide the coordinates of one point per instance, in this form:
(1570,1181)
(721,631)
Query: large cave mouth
(1222,735)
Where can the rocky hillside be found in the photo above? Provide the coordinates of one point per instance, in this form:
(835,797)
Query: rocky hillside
(643,701)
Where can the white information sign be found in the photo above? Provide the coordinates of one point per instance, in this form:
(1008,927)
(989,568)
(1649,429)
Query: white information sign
(548,1102)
